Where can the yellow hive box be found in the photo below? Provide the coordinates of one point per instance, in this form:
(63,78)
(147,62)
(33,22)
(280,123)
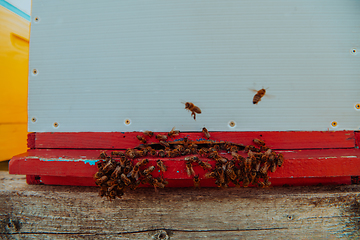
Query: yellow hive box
(14,56)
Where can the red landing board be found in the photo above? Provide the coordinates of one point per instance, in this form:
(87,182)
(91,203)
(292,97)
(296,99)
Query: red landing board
(117,140)
(310,157)
(77,167)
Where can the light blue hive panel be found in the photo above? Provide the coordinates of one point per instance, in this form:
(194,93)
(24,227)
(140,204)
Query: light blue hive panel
(96,64)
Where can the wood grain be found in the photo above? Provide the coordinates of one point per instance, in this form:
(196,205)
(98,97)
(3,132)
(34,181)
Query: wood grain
(58,212)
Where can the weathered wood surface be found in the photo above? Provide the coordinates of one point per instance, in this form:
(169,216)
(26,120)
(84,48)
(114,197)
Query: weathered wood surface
(65,212)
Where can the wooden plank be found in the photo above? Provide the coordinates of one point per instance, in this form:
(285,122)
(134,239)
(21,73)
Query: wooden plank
(58,212)
(81,163)
(123,140)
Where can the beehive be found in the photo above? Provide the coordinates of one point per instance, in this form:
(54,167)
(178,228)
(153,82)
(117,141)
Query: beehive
(98,75)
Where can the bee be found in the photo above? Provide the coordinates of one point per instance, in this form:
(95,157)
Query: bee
(189,168)
(101,180)
(203,151)
(161,165)
(204,165)
(148,170)
(142,162)
(134,173)
(135,185)
(194,109)
(186,152)
(125,180)
(141,138)
(148,133)
(259,142)
(174,153)
(280,159)
(251,148)
(117,153)
(211,175)
(173,132)
(130,153)
(98,175)
(164,144)
(259,94)
(180,148)
(206,132)
(265,168)
(246,182)
(152,152)
(196,181)
(109,166)
(234,148)
(230,171)
(161,153)
(161,137)
(116,172)
(103,155)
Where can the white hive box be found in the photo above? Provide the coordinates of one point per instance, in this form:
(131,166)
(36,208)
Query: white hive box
(95,64)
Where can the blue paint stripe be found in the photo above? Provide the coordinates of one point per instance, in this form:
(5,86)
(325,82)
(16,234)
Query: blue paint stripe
(14,9)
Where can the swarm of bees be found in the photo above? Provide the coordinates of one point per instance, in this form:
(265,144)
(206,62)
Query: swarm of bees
(230,163)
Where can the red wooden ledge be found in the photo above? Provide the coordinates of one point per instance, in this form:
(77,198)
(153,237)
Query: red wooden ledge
(310,157)
(118,140)
(301,165)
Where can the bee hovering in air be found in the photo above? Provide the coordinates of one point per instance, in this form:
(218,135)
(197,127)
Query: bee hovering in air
(192,108)
(259,94)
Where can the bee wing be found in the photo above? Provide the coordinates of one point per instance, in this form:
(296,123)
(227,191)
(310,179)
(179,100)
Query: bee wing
(173,129)
(254,90)
(197,109)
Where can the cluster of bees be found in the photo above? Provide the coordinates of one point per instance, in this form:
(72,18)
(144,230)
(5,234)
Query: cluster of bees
(230,163)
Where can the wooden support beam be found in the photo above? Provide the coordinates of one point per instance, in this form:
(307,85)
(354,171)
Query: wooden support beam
(40,211)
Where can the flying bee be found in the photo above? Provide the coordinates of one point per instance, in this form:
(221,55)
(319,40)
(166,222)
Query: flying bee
(259,142)
(259,94)
(206,132)
(141,138)
(192,108)
(173,132)
(189,168)
(161,137)
(148,133)
(196,181)
(161,165)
